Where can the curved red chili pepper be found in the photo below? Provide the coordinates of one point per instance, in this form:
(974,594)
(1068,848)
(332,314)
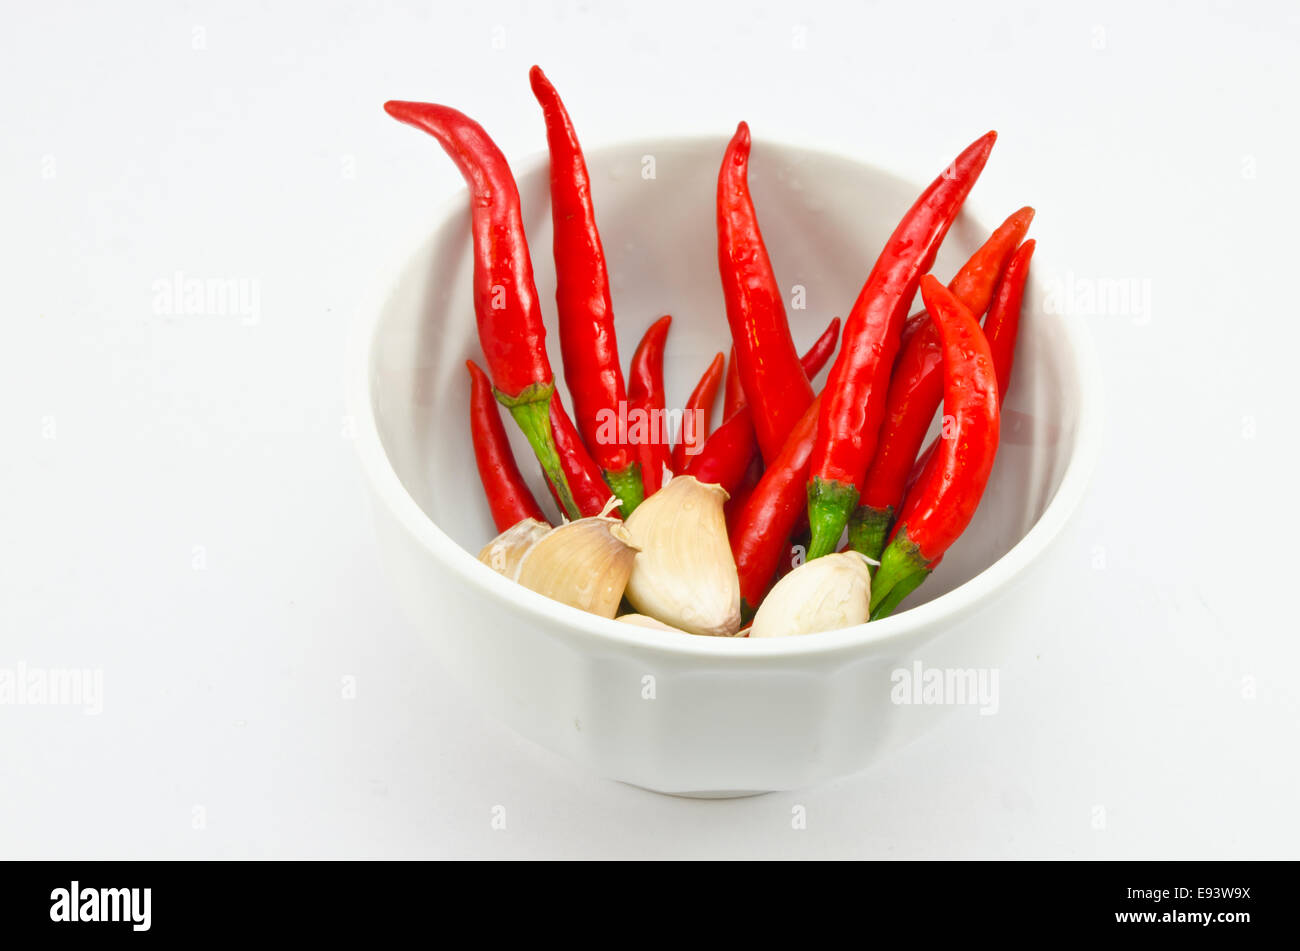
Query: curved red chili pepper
(916,390)
(733,394)
(740,497)
(940,506)
(507,493)
(698,413)
(822,350)
(729,451)
(762,531)
(510,328)
(773,381)
(1003,323)
(859,378)
(645,406)
(1000,329)
(590,491)
(588,343)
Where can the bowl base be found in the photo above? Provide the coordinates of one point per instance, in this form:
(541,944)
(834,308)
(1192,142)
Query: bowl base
(706,794)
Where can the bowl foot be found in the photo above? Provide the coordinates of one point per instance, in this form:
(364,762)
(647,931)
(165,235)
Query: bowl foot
(707,793)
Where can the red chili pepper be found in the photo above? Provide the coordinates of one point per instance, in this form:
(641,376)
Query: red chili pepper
(590,491)
(940,506)
(586,316)
(773,381)
(1000,329)
(698,414)
(762,532)
(510,328)
(645,406)
(740,497)
(822,350)
(733,395)
(859,378)
(507,493)
(728,453)
(1003,323)
(916,390)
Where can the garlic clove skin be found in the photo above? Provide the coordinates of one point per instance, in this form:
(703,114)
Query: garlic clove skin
(641,620)
(504,553)
(685,575)
(824,594)
(584,564)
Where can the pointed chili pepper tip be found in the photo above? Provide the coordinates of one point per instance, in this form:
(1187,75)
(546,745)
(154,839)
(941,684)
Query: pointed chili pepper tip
(399,109)
(537,79)
(738,149)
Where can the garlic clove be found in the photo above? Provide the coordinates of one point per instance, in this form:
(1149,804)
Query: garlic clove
(824,594)
(584,564)
(685,575)
(504,553)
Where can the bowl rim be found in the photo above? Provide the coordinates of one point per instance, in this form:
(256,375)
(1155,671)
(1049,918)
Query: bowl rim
(913,623)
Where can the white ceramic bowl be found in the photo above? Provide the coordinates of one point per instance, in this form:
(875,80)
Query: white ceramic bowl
(674,713)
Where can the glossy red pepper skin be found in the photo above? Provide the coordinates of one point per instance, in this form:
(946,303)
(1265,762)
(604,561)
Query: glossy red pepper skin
(730,450)
(588,343)
(1001,328)
(940,506)
(699,407)
(857,387)
(823,348)
(770,374)
(507,493)
(761,537)
(733,394)
(590,491)
(509,316)
(916,389)
(740,497)
(727,453)
(645,403)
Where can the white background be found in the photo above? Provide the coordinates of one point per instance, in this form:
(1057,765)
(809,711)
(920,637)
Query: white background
(182,508)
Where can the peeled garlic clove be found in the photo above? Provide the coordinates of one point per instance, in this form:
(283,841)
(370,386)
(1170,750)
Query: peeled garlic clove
(685,575)
(504,553)
(640,620)
(824,594)
(584,564)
